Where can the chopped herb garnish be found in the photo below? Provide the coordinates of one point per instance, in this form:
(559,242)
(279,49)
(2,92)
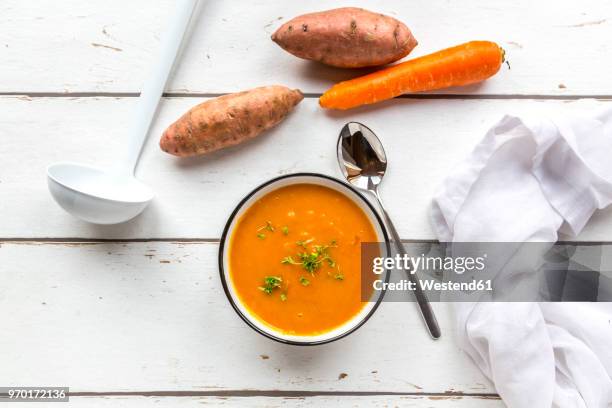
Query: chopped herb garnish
(288,260)
(261,235)
(270,283)
(283,297)
(304,243)
(285,230)
(267,227)
(311,261)
(304,281)
(339,276)
(274,281)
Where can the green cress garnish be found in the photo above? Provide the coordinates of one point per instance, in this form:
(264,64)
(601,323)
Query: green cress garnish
(267,227)
(288,260)
(304,243)
(271,283)
(311,261)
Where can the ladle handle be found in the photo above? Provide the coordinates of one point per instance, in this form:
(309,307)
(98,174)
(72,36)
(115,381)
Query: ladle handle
(154,86)
(424,306)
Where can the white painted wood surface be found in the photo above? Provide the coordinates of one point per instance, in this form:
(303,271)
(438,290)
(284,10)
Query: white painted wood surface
(424,139)
(433,401)
(134,317)
(153,316)
(106,46)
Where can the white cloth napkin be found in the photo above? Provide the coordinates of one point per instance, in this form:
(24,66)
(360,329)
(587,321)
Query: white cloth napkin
(528,180)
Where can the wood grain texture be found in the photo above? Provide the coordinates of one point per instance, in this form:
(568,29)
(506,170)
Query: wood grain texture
(140,316)
(433,401)
(153,316)
(554,48)
(424,140)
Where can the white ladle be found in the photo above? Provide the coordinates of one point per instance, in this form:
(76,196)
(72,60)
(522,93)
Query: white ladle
(115,195)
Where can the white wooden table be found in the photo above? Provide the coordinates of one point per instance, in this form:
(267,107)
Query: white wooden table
(134,315)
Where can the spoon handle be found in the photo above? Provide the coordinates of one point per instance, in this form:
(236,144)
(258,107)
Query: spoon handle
(154,86)
(424,306)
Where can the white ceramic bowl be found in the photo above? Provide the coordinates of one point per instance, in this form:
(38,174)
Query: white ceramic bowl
(253,196)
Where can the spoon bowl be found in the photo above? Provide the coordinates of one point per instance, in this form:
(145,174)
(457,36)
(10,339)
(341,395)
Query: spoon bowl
(362,157)
(95,195)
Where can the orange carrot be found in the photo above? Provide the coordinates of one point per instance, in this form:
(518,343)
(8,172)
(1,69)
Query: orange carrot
(464,64)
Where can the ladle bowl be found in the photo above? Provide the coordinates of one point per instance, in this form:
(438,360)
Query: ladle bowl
(95,195)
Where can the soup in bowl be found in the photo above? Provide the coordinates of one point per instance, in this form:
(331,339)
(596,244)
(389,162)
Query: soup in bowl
(290,259)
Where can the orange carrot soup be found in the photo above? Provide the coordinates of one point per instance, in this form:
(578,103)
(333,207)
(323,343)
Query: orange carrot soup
(294,259)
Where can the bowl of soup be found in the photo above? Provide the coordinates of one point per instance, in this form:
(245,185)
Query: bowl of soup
(290,259)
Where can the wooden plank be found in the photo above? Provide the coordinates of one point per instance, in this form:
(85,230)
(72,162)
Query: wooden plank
(153,316)
(554,48)
(424,139)
(433,401)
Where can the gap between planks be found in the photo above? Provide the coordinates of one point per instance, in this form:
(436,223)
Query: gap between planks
(306,95)
(93,241)
(282,394)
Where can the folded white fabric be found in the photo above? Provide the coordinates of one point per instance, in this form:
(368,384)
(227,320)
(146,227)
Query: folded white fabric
(528,180)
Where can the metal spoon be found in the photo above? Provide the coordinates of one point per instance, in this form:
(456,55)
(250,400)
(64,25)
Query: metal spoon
(363,162)
(102,196)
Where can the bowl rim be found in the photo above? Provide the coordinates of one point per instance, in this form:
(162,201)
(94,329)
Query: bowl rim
(224,239)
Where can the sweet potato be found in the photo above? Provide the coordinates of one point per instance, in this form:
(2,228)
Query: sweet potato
(346,37)
(229,120)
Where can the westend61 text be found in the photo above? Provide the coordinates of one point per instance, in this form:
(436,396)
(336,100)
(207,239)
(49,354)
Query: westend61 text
(448,286)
